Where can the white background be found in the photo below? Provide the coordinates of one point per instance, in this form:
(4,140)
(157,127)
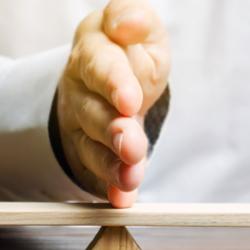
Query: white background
(204,150)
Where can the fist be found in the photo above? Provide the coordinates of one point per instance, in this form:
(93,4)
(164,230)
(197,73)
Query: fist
(117,69)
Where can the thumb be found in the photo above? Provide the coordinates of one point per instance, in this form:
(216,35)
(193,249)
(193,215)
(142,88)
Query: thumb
(128,22)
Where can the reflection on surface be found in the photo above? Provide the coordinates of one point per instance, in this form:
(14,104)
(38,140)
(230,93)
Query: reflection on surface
(77,237)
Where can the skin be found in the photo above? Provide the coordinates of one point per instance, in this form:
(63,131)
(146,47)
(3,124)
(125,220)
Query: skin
(117,69)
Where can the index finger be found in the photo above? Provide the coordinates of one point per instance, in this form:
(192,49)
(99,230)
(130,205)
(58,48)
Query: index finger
(105,69)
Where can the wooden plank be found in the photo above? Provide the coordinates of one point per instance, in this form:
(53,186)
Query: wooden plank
(33,213)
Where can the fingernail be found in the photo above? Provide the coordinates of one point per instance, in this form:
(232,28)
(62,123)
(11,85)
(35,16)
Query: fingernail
(115,22)
(117,142)
(127,16)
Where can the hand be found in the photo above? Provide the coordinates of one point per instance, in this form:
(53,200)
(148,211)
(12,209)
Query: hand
(118,68)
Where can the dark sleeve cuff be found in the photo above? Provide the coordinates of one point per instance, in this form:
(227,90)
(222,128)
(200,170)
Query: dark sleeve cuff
(55,140)
(155,117)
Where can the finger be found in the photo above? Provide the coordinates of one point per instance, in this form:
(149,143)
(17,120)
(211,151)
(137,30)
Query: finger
(105,69)
(102,123)
(105,164)
(130,22)
(135,23)
(154,72)
(120,199)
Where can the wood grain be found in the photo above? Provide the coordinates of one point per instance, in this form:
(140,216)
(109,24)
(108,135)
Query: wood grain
(113,238)
(28,213)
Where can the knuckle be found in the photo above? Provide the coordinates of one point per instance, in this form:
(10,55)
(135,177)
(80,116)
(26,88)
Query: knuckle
(85,106)
(88,71)
(92,68)
(73,61)
(84,140)
(88,23)
(109,160)
(109,81)
(106,158)
(160,69)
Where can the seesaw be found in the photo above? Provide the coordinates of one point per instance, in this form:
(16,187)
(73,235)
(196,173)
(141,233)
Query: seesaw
(113,233)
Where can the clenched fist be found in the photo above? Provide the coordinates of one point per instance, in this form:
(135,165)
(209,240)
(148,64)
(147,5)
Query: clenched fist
(117,70)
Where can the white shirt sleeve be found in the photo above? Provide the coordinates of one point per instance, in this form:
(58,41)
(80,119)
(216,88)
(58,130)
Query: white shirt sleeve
(28,168)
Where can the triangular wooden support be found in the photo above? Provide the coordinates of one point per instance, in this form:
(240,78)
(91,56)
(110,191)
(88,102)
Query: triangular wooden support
(113,238)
